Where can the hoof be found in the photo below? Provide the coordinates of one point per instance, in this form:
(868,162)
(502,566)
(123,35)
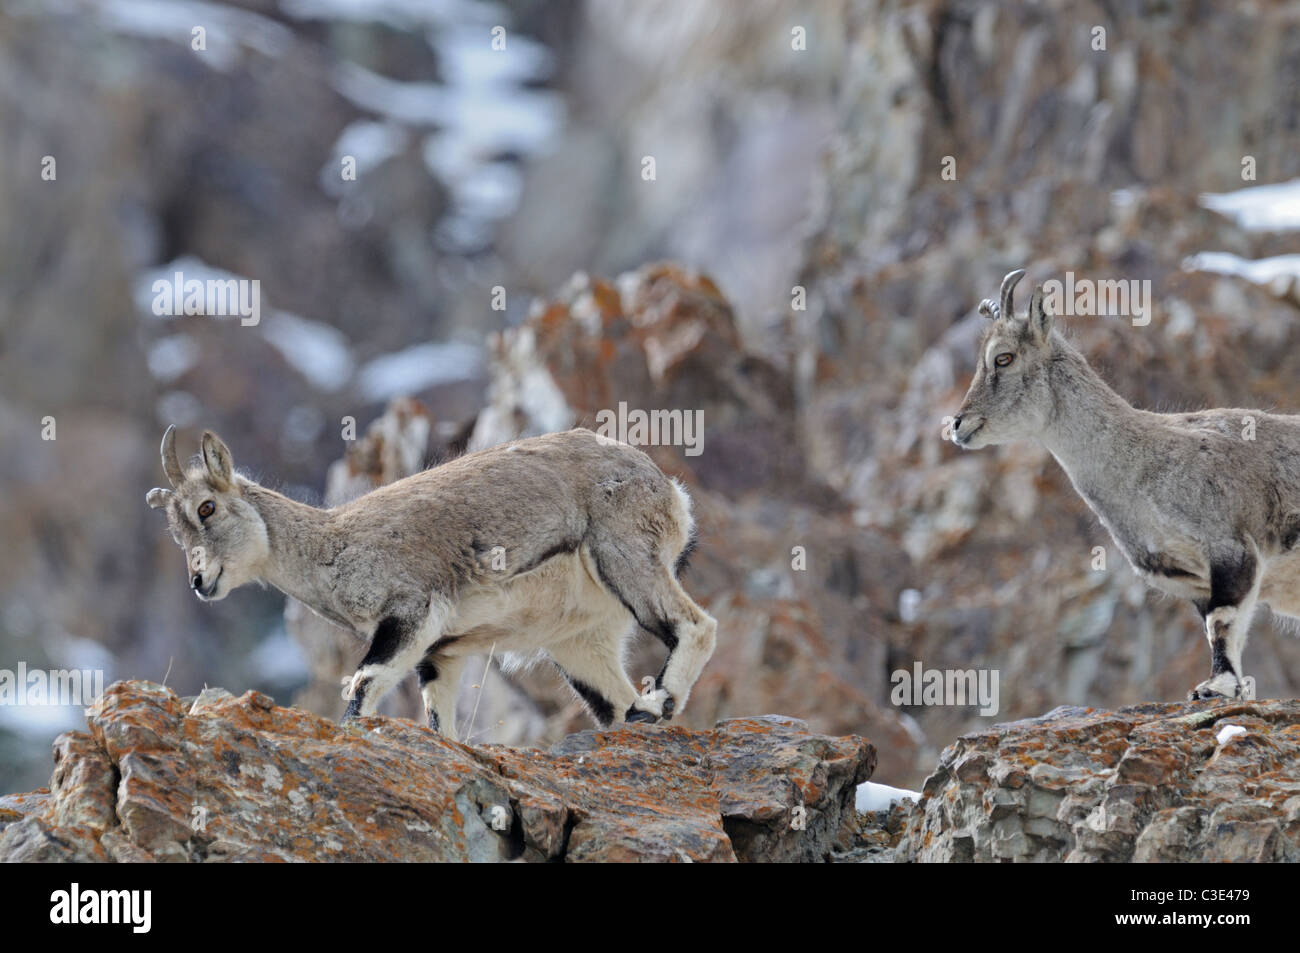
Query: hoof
(651,706)
(1224,687)
(670,706)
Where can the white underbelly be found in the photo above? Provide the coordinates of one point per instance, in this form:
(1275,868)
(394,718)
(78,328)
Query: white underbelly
(557,601)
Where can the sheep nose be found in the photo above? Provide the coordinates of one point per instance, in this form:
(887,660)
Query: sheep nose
(197,581)
(956,423)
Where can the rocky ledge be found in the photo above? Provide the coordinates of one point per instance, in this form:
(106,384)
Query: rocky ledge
(160,778)
(216,777)
(1154,782)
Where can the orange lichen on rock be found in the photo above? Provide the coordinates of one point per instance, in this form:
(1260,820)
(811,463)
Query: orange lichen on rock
(226,778)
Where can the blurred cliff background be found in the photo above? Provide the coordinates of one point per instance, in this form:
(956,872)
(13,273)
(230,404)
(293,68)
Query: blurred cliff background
(799,267)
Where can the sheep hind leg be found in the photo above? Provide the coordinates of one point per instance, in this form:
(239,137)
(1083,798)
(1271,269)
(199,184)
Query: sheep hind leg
(1234,594)
(439,676)
(593,664)
(648,588)
(691,636)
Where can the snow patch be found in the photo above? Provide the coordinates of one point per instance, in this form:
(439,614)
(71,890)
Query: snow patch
(483,115)
(317,351)
(1275,273)
(1228,732)
(226,29)
(192,268)
(418,368)
(371,144)
(1259,208)
(399,14)
(881,797)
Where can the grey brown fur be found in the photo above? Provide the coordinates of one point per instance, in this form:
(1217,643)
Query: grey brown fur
(1199,510)
(555,546)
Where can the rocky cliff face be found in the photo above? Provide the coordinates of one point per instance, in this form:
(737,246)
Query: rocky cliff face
(822,426)
(219,778)
(1151,782)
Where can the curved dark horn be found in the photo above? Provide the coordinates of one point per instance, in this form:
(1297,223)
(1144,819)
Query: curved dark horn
(171,465)
(1008,289)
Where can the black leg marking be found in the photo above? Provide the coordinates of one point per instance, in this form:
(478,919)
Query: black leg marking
(1220,663)
(384,645)
(387,639)
(427,671)
(1230,581)
(662,629)
(667,633)
(600,706)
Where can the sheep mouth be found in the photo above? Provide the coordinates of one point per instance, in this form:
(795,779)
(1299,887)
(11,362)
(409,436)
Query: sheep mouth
(206,592)
(963,439)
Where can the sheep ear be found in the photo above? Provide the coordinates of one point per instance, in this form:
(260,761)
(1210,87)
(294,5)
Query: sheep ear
(216,457)
(1039,317)
(989,309)
(157,497)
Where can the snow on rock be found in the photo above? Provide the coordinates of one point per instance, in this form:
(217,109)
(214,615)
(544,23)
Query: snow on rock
(317,351)
(1228,732)
(418,368)
(1260,208)
(226,29)
(370,144)
(1275,272)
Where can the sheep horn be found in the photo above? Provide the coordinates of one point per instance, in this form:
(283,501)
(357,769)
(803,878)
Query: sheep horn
(171,465)
(1008,288)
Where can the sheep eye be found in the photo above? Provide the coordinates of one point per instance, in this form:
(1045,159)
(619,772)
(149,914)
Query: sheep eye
(1004,360)
(206,509)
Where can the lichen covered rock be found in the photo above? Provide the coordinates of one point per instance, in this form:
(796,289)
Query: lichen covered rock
(1150,782)
(220,778)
